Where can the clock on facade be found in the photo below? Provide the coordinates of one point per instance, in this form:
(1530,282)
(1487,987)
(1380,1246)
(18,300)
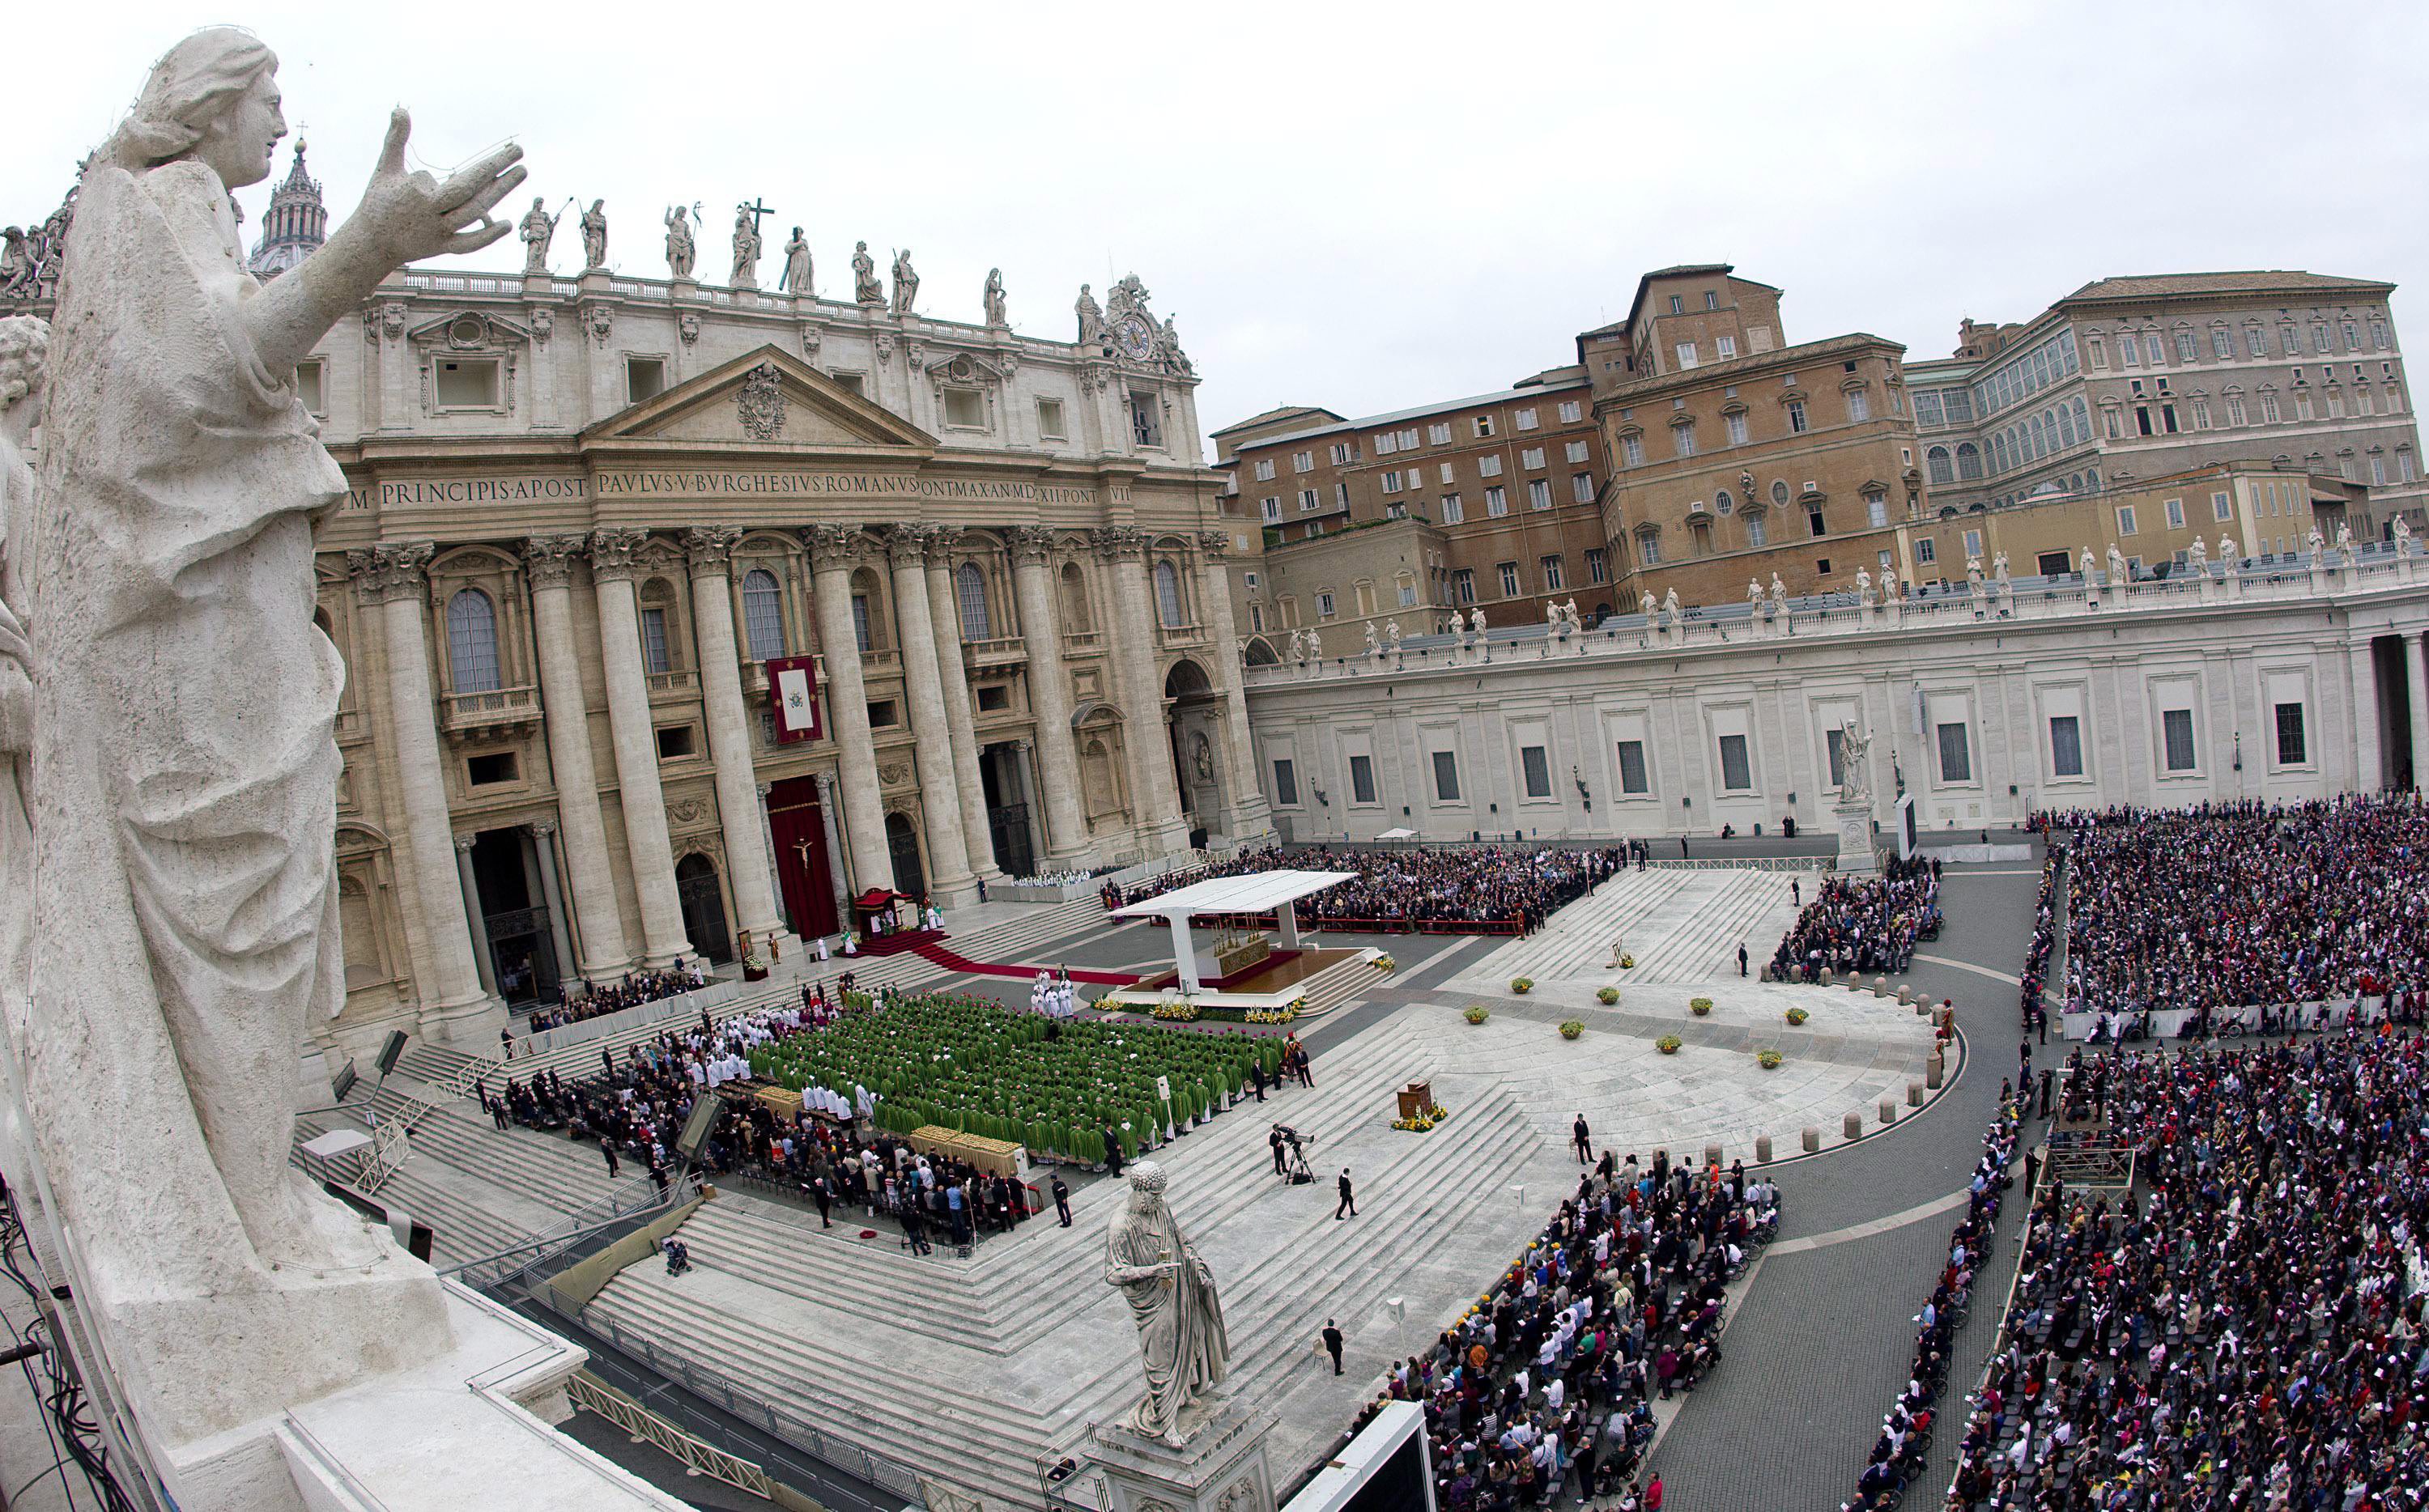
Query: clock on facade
(1134,335)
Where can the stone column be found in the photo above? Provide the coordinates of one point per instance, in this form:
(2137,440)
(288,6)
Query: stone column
(837,861)
(2416,671)
(454,1003)
(544,834)
(646,841)
(940,803)
(548,562)
(1250,817)
(744,822)
(1050,698)
(2368,777)
(944,610)
(767,838)
(834,551)
(479,929)
(1155,798)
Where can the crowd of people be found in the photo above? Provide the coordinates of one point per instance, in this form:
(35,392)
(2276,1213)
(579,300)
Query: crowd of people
(633,989)
(1545,1388)
(1866,924)
(1901,1455)
(2228,905)
(2245,1329)
(634,1107)
(1512,886)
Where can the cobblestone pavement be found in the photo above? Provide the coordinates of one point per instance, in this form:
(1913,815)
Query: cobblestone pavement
(1821,1343)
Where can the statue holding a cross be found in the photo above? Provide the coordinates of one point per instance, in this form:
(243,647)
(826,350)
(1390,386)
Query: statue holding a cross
(746,244)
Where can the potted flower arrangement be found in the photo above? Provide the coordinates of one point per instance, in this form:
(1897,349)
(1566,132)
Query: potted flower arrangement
(1477,1014)
(1797,1015)
(1699,1006)
(754,967)
(1424,1123)
(1384,962)
(1522,985)
(1769,1060)
(1572,1027)
(1628,962)
(1178,1009)
(1667,1045)
(1273,1015)
(1606,995)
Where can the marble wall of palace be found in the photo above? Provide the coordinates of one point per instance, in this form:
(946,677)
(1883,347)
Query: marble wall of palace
(2305,685)
(586,513)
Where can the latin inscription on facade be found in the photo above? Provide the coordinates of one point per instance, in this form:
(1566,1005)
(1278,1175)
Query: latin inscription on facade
(421,492)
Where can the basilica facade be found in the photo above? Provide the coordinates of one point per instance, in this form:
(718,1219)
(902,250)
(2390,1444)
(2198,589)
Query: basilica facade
(675,617)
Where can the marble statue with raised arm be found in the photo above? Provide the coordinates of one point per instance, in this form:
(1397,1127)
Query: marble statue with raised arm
(1184,1348)
(538,230)
(185,769)
(683,248)
(594,235)
(1855,772)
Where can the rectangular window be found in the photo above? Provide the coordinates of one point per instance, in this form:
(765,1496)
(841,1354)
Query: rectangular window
(1483,427)
(1052,427)
(1572,411)
(1265,469)
(1362,778)
(1437,434)
(1553,577)
(2177,727)
(1648,548)
(1496,500)
(1539,493)
(2291,749)
(1575,451)
(1387,444)
(1463,584)
(2185,351)
(1285,784)
(966,408)
(1531,458)
(465,383)
(1597,564)
(1724,348)
(1323,603)
(653,641)
(1758,533)
(1344,452)
(1956,761)
(1449,473)
(1796,416)
(674,743)
(644,378)
(1526,418)
(1631,767)
(1408,593)
(1972,545)
(2066,746)
(1582,488)
(499,767)
(1452,513)
(1834,748)
(1859,407)
(1509,571)
(2176,508)
(310,387)
(1683,438)
(1926,550)
(1272,507)
(1302,461)
(2124,520)
(1341,496)
(1536,768)
(1146,422)
(1392,479)
(1735,423)
(1445,765)
(2222,344)
(1631,449)
(1489,467)
(1876,510)
(2319,335)
(1686,353)
(1737,773)
(2152,350)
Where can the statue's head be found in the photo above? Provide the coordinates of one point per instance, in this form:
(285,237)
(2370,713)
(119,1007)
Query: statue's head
(1146,1186)
(25,345)
(213,97)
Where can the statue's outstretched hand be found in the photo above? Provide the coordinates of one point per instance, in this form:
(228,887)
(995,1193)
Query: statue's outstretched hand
(415,215)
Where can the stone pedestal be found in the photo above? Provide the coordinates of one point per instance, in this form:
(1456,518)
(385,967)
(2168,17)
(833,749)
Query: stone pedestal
(1219,1466)
(1855,821)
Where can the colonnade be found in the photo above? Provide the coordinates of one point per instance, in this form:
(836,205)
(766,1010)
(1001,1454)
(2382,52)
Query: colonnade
(443,925)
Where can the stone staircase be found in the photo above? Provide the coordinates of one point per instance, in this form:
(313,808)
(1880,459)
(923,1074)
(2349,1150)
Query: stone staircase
(1734,911)
(1576,943)
(1340,984)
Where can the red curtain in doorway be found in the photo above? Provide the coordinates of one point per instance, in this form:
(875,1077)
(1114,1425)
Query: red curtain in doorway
(802,865)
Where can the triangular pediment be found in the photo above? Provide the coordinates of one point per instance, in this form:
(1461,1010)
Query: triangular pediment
(765,398)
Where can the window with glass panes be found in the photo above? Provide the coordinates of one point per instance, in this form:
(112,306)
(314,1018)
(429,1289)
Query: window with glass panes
(1535,767)
(762,614)
(1737,771)
(2291,750)
(1631,767)
(2066,746)
(2176,729)
(1361,780)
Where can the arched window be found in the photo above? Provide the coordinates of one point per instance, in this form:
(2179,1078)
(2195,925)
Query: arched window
(969,595)
(866,608)
(1969,460)
(1942,470)
(471,642)
(762,614)
(1168,596)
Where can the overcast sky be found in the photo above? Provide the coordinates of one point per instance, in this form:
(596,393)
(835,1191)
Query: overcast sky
(1369,208)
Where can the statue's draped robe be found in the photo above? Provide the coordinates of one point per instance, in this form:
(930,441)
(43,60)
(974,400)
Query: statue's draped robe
(1181,1341)
(185,769)
(16,834)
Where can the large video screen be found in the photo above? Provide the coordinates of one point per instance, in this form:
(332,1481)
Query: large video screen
(1396,1484)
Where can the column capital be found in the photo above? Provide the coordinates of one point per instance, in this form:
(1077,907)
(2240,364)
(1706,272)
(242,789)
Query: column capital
(391,569)
(612,551)
(906,544)
(543,829)
(711,549)
(1118,543)
(834,548)
(548,560)
(766,788)
(464,844)
(943,541)
(1032,543)
(1216,544)
(825,782)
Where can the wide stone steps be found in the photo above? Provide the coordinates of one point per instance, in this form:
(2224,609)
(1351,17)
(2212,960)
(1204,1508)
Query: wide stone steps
(1338,985)
(953,1430)
(544,1168)
(1577,942)
(1706,945)
(433,1063)
(460,1227)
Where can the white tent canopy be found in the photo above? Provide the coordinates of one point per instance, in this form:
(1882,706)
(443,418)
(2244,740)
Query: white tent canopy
(1250,892)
